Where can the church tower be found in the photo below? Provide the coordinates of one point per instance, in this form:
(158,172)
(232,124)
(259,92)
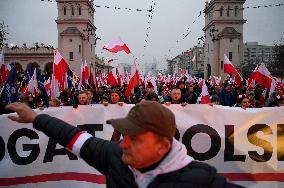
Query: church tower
(76,32)
(223,35)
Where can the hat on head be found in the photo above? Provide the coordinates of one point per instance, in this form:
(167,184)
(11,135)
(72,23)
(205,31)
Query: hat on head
(226,84)
(147,116)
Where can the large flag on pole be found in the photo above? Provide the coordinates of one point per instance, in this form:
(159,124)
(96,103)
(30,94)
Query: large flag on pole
(229,68)
(116,45)
(85,74)
(205,98)
(32,85)
(134,80)
(60,68)
(112,77)
(262,75)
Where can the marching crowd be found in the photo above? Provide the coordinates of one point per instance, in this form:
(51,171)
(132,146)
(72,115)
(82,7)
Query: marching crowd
(181,92)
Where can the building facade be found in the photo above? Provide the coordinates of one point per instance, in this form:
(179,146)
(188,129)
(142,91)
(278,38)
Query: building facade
(223,35)
(40,55)
(179,63)
(151,67)
(76,32)
(76,40)
(256,54)
(197,66)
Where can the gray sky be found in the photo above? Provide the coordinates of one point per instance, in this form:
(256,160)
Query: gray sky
(34,21)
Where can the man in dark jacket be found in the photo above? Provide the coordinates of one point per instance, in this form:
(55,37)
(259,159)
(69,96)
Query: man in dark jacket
(147,156)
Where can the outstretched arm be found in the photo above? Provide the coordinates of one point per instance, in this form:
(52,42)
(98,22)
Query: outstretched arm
(95,151)
(25,113)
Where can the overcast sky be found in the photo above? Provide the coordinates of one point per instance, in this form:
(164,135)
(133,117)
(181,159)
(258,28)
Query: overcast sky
(34,21)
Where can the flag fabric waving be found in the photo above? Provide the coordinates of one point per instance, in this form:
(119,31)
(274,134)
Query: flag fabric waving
(111,60)
(229,68)
(193,60)
(32,85)
(116,45)
(60,68)
(85,74)
(205,98)
(262,75)
(9,93)
(112,77)
(4,70)
(134,80)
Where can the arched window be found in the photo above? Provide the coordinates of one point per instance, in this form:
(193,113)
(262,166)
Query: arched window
(228,11)
(236,10)
(72,11)
(221,10)
(64,10)
(80,10)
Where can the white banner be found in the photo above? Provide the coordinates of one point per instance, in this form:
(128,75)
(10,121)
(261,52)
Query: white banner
(246,146)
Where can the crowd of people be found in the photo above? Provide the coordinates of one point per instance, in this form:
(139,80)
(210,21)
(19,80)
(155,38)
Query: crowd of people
(181,92)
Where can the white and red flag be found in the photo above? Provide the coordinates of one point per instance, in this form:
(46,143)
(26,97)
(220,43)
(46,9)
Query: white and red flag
(205,98)
(60,69)
(262,75)
(133,82)
(193,60)
(121,74)
(189,52)
(4,69)
(85,73)
(92,80)
(54,88)
(230,69)
(32,85)
(110,60)
(47,85)
(112,78)
(217,80)
(116,45)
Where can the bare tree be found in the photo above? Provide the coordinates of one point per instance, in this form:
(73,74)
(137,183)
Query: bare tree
(3,34)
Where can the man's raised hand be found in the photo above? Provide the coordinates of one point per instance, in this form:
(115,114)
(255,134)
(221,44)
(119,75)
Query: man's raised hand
(25,113)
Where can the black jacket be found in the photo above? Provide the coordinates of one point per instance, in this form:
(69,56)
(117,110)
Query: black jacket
(105,156)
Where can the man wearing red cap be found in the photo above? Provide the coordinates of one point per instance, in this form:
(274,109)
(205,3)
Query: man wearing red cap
(147,156)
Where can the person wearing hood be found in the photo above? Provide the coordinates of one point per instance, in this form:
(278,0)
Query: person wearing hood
(147,156)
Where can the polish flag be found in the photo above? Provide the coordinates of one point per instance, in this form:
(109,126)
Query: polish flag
(60,68)
(273,85)
(4,69)
(182,71)
(85,74)
(91,78)
(193,60)
(151,79)
(112,78)
(54,89)
(262,97)
(262,76)
(218,80)
(251,80)
(230,69)
(116,45)
(133,82)
(189,52)
(32,85)
(205,98)
(121,74)
(111,60)
(47,85)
